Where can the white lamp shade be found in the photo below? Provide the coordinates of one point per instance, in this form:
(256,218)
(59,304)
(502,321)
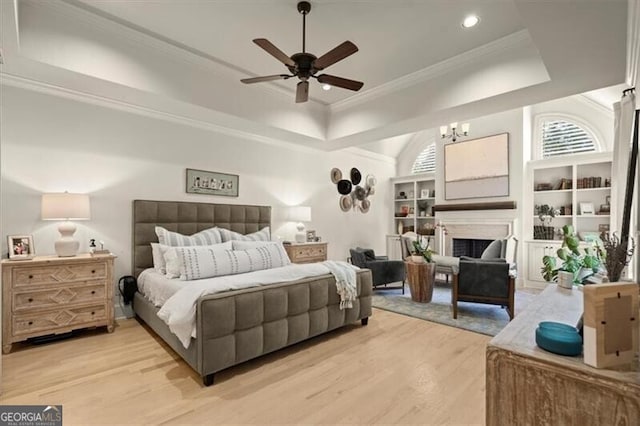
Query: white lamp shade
(465,128)
(300,214)
(65,206)
(443,131)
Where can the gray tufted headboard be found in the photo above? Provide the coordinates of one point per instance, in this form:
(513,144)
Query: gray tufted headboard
(188,218)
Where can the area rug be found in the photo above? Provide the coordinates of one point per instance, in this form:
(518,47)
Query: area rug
(484,319)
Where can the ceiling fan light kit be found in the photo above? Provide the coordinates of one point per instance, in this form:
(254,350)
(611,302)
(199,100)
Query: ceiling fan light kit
(305,65)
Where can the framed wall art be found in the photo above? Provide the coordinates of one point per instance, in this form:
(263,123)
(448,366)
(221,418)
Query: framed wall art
(212,183)
(20,247)
(477,168)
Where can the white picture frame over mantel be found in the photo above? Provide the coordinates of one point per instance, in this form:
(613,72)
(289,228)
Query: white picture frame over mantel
(477,168)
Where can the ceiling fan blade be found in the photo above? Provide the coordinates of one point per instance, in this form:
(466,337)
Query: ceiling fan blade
(265,78)
(345,83)
(302,93)
(336,54)
(274,51)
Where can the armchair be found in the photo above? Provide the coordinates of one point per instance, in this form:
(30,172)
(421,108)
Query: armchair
(490,279)
(383,270)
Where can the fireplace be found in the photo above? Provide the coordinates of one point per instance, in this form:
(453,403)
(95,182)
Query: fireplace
(473,234)
(471,247)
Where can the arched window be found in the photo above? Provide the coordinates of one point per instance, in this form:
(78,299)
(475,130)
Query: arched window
(561,136)
(426,160)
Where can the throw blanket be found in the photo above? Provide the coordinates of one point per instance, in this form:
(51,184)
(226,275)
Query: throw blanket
(345,276)
(179,311)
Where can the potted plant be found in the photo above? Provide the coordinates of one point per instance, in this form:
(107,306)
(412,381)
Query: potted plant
(582,264)
(618,254)
(421,275)
(545,213)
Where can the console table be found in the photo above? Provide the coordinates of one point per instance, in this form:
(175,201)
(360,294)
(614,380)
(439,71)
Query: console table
(528,385)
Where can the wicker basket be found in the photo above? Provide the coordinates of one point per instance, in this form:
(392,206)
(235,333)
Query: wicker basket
(541,232)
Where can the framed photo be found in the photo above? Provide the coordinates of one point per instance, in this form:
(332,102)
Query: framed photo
(586,208)
(404,208)
(311,236)
(212,183)
(424,193)
(20,247)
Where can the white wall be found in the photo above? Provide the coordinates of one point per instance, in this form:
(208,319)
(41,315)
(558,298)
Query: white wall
(52,144)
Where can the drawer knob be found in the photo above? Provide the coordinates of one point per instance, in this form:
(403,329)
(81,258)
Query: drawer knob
(93,271)
(93,292)
(30,322)
(30,299)
(30,276)
(92,313)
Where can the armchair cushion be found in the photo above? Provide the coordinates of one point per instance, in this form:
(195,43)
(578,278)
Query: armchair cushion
(488,278)
(495,250)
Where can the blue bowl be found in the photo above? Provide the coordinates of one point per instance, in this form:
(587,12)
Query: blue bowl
(559,338)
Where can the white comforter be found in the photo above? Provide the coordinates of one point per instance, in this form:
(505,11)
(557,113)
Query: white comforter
(179,310)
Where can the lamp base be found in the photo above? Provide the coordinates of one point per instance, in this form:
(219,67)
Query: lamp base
(66,246)
(301,235)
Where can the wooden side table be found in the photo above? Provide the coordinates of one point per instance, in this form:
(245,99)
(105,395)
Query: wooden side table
(306,252)
(421,277)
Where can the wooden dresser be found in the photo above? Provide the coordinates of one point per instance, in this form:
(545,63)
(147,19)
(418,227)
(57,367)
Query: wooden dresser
(306,252)
(527,385)
(54,295)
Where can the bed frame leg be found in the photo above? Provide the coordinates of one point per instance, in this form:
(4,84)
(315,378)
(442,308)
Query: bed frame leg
(364,321)
(208,379)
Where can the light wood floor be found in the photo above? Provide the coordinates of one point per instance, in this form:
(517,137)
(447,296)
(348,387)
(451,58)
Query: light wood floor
(395,370)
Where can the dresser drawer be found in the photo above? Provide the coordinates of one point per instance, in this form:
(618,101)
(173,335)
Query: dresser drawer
(88,293)
(57,319)
(65,273)
(310,252)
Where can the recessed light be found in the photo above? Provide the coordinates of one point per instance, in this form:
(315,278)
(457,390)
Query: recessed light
(326,87)
(470,21)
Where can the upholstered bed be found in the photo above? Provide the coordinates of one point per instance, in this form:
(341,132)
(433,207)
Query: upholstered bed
(239,325)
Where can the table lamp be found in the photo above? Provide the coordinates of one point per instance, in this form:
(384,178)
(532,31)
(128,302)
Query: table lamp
(66,207)
(300,214)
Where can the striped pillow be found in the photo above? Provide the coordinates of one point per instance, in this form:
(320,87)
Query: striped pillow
(174,239)
(173,258)
(262,235)
(203,262)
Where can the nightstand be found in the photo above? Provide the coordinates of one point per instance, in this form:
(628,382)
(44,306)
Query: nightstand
(306,252)
(55,295)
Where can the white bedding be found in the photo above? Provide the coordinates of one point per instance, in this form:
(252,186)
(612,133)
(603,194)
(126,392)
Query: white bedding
(179,298)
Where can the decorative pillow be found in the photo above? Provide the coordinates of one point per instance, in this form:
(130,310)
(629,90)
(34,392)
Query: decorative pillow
(174,261)
(203,262)
(262,235)
(175,239)
(244,245)
(493,250)
(158,258)
(369,254)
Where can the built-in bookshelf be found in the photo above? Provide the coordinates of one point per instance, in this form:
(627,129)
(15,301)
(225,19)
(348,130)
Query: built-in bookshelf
(413,200)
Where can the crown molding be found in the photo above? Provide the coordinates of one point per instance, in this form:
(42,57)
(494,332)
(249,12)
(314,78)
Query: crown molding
(114,27)
(511,41)
(633,42)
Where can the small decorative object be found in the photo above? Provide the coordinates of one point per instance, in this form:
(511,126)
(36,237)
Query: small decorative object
(356,177)
(423,213)
(93,250)
(92,245)
(559,338)
(212,183)
(617,254)
(580,265)
(565,279)
(311,236)
(400,227)
(411,194)
(402,195)
(424,193)
(603,227)
(586,208)
(344,187)
(336,175)
(20,247)
(345,203)
(610,324)
(545,213)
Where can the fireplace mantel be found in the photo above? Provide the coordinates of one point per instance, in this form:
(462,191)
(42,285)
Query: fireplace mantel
(500,205)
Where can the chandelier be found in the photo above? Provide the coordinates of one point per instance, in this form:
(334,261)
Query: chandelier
(454,135)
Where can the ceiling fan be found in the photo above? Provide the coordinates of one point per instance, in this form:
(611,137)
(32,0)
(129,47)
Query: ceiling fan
(305,65)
